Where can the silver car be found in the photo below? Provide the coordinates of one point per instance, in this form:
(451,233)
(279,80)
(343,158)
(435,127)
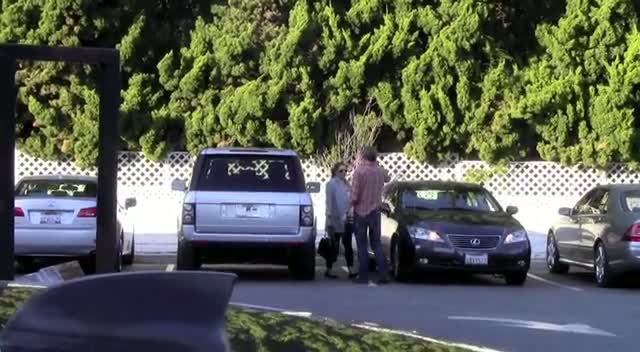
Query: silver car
(601,232)
(247,206)
(55,217)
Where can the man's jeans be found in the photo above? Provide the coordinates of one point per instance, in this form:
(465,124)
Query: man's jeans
(370,222)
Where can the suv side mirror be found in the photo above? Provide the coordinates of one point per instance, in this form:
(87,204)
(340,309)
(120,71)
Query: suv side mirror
(565,211)
(313,187)
(130,203)
(178,185)
(511,210)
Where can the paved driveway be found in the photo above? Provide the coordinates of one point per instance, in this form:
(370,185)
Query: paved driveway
(550,313)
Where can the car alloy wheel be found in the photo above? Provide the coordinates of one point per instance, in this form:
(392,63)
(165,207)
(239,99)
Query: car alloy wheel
(601,264)
(551,253)
(553,257)
(119,258)
(396,261)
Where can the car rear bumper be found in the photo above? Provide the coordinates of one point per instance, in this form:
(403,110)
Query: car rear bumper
(505,259)
(628,260)
(304,235)
(55,242)
(246,248)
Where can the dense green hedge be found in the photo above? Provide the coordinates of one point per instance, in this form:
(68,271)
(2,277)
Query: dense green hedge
(489,79)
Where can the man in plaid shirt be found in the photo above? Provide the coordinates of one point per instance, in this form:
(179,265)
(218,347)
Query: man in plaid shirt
(367,185)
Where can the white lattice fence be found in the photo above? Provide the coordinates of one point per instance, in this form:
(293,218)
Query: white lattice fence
(537,188)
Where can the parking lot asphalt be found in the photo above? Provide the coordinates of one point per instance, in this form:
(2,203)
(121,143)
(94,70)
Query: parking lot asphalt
(549,313)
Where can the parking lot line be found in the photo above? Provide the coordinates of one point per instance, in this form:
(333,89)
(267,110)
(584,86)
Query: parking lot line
(170,267)
(572,288)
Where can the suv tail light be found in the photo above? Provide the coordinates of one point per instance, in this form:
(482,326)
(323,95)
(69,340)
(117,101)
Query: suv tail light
(88,212)
(188,214)
(632,234)
(306,215)
(18,212)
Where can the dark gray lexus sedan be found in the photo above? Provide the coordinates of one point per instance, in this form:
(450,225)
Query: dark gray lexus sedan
(436,225)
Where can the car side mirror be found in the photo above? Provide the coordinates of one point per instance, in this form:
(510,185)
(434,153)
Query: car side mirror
(130,203)
(178,185)
(313,187)
(565,211)
(511,210)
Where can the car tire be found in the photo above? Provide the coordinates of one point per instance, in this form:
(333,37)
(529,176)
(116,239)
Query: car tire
(120,257)
(399,267)
(130,258)
(553,257)
(603,274)
(186,257)
(303,263)
(516,279)
(27,264)
(88,264)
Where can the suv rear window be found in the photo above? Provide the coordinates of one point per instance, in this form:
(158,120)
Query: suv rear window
(57,188)
(250,173)
(631,201)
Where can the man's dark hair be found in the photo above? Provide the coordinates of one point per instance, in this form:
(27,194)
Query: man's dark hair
(369,154)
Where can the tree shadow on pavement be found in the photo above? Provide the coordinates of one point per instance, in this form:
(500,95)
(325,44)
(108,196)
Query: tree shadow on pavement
(455,279)
(269,273)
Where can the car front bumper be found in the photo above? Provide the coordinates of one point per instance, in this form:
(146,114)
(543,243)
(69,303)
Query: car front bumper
(504,259)
(54,242)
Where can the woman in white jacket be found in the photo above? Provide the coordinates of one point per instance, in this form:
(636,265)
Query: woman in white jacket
(339,218)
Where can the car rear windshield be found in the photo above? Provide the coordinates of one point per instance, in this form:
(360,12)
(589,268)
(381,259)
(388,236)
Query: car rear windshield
(250,173)
(442,198)
(57,188)
(631,201)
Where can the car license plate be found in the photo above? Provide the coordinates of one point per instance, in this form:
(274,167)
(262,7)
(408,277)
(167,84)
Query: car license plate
(474,259)
(251,211)
(50,219)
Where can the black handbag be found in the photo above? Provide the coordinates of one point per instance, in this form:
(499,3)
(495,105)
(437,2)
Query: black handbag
(325,247)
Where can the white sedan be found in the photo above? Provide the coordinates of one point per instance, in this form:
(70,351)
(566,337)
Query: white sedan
(55,217)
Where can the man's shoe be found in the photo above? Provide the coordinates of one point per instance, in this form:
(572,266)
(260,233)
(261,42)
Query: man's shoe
(330,275)
(385,280)
(352,275)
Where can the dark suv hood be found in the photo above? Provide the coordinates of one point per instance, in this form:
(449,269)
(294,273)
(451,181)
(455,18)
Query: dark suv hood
(461,222)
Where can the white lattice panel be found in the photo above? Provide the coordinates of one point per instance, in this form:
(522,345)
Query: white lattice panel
(545,179)
(621,173)
(29,166)
(180,166)
(149,179)
(401,168)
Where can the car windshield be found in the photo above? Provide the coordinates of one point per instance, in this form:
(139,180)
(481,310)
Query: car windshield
(441,198)
(631,201)
(57,188)
(251,173)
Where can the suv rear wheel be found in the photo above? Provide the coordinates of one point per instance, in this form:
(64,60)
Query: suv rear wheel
(186,257)
(303,262)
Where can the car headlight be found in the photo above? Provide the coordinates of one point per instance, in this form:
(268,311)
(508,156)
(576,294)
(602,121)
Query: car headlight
(516,236)
(420,233)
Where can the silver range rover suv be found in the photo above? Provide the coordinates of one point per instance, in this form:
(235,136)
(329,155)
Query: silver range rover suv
(248,206)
